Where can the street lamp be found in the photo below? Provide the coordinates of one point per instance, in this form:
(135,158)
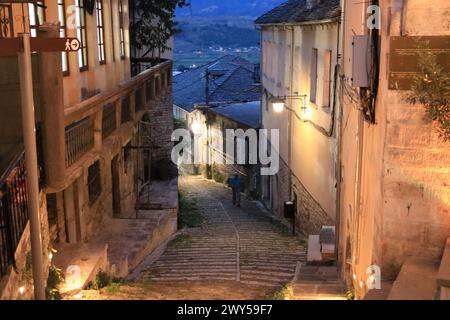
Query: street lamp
(278,105)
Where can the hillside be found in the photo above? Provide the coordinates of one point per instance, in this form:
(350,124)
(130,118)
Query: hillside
(250,8)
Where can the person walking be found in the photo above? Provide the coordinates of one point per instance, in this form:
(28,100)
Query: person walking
(235,183)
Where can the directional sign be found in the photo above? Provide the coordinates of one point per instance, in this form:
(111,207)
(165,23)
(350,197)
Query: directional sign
(11,46)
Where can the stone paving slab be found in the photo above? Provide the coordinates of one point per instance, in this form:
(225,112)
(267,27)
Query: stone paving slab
(240,244)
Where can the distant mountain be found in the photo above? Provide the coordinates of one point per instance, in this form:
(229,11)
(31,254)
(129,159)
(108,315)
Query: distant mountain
(230,8)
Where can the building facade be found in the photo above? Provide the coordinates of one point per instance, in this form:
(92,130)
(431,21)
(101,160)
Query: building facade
(394,166)
(101,129)
(299,54)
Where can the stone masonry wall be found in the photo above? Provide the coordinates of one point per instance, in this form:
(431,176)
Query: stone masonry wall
(161,117)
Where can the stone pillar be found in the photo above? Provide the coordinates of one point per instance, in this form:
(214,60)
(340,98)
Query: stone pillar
(52,112)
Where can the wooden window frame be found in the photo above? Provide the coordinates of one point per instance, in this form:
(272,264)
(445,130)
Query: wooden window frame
(63,33)
(100,20)
(121,32)
(38,12)
(82,35)
(327,78)
(313,75)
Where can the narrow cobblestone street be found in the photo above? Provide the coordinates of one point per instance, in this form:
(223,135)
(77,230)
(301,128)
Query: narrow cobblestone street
(237,253)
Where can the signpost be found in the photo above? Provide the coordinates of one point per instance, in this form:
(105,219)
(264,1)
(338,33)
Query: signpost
(23,46)
(12,46)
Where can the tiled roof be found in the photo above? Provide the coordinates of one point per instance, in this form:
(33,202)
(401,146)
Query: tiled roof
(245,113)
(300,11)
(233,82)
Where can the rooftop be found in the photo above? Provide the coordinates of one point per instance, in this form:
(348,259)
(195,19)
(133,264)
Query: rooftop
(244,113)
(301,11)
(231,80)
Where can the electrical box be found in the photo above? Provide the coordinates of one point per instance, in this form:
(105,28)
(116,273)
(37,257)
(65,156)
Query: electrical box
(361,61)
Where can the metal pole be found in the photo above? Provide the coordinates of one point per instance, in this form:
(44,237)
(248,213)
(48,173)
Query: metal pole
(29,137)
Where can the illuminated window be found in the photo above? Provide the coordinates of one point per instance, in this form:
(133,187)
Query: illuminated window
(62,34)
(313,76)
(80,15)
(121,32)
(100,32)
(37,16)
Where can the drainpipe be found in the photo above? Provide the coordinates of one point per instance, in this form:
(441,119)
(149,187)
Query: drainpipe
(338,102)
(290,114)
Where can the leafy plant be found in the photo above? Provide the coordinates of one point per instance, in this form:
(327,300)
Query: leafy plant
(188,215)
(55,278)
(431,88)
(153,24)
(281,294)
(349,295)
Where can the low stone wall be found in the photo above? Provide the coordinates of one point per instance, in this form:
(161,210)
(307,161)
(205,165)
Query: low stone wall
(310,215)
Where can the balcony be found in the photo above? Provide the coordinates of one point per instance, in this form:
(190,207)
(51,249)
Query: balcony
(92,121)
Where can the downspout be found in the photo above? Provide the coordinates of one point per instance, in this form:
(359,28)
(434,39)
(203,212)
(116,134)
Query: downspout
(338,104)
(290,113)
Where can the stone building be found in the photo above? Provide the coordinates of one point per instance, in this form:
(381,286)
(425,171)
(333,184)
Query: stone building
(209,125)
(100,131)
(395,194)
(229,79)
(299,51)
(365,159)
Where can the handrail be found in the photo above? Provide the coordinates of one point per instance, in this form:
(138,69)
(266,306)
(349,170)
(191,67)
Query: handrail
(90,106)
(12,165)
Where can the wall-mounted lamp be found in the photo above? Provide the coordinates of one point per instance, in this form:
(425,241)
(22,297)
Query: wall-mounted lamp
(278,104)
(196,128)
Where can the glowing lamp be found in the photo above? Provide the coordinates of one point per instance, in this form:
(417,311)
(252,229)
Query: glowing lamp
(22,290)
(196,128)
(278,105)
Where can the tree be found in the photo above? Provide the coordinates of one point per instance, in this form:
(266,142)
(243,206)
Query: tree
(152,24)
(431,88)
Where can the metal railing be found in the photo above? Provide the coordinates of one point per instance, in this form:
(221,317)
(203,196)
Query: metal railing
(79,138)
(108,120)
(6,21)
(13,210)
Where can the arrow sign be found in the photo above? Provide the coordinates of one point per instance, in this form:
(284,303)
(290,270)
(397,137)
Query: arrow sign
(11,46)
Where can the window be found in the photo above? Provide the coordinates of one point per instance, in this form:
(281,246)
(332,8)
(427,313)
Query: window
(81,35)
(37,16)
(112,30)
(121,31)
(62,34)
(327,79)
(313,77)
(94,182)
(100,32)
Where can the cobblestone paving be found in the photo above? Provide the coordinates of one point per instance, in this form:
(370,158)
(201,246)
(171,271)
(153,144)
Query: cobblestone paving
(233,244)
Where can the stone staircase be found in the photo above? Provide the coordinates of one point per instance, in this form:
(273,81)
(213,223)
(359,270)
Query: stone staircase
(317,283)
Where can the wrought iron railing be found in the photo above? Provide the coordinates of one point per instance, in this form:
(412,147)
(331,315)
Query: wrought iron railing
(108,120)
(6,21)
(13,210)
(79,140)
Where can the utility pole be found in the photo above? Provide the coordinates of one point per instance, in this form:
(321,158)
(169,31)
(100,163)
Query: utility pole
(207,87)
(29,137)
